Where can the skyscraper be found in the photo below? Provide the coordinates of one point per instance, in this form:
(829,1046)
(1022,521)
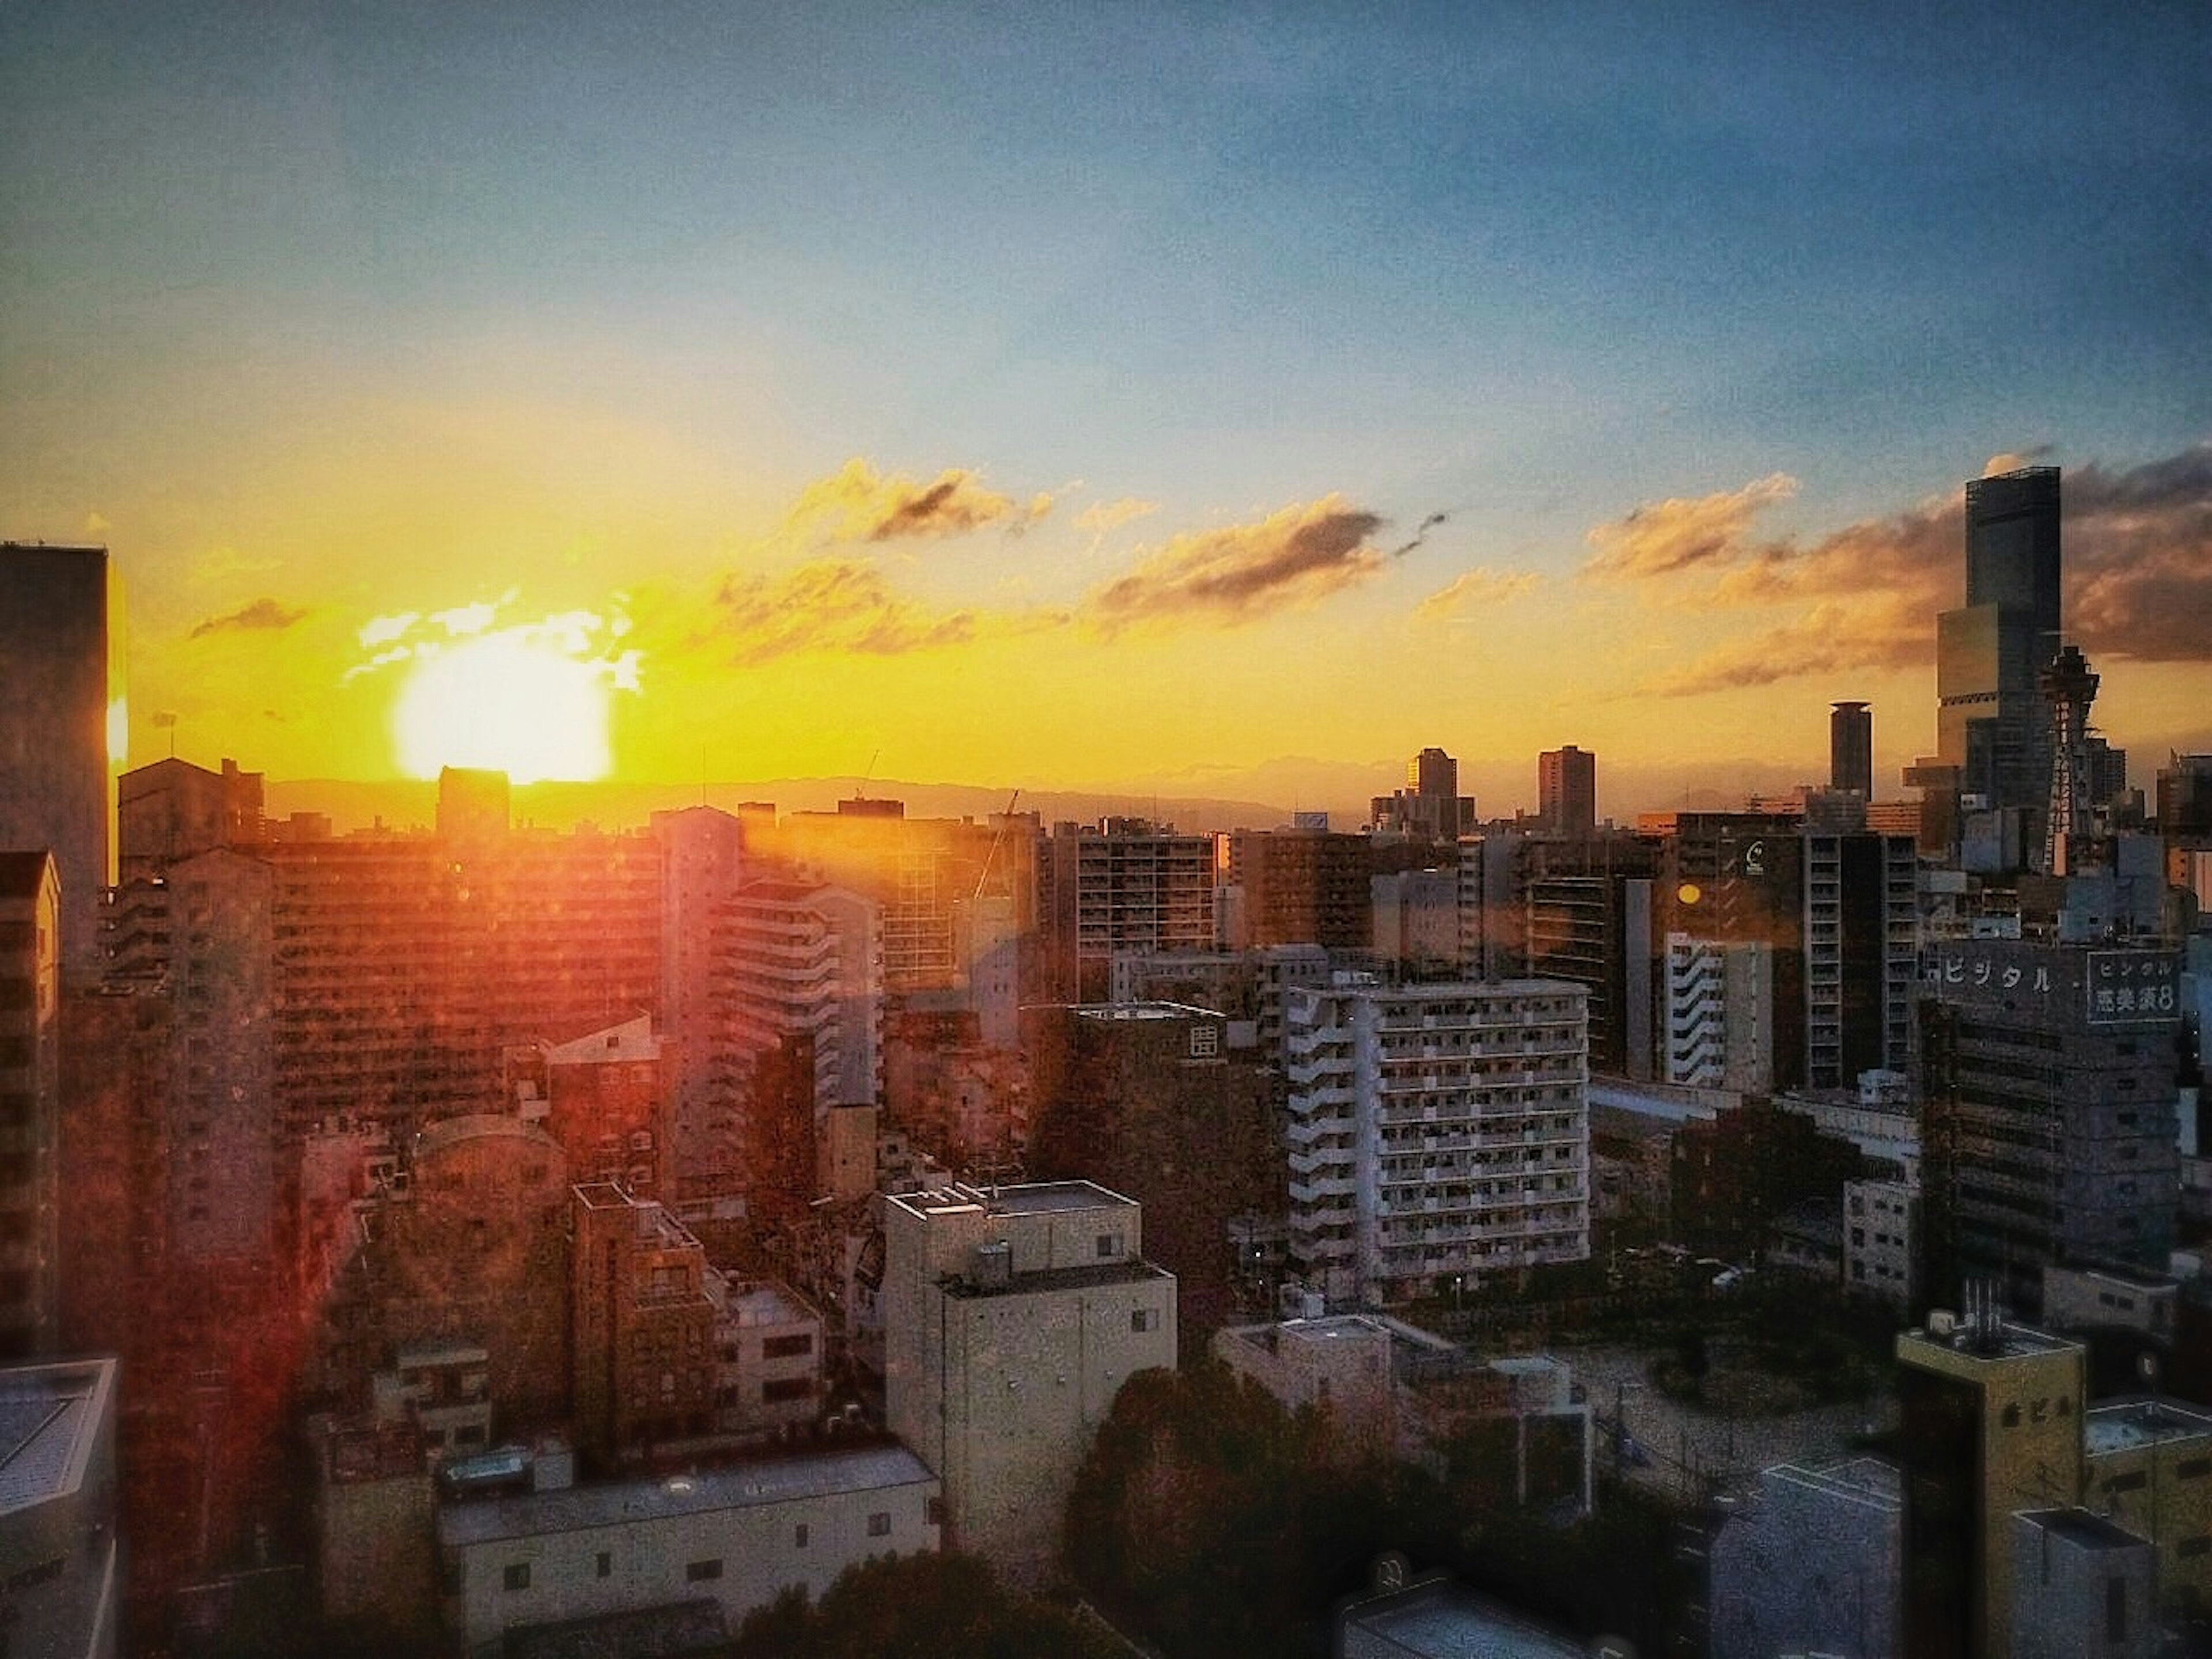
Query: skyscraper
(60,709)
(1566,790)
(1992,723)
(1850,748)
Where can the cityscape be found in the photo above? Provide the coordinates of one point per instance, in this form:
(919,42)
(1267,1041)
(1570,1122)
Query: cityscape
(846,834)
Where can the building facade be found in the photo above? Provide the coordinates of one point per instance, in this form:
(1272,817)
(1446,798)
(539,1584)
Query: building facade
(1437,1132)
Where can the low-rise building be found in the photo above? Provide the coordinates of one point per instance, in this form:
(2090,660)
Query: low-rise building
(1812,1562)
(1882,1220)
(60,1566)
(737,1536)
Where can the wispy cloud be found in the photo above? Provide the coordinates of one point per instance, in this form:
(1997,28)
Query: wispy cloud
(1680,533)
(857,504)
(1241,573)
(1476,590)
(592,639)
(263,615)
(832,605)
(1108,515)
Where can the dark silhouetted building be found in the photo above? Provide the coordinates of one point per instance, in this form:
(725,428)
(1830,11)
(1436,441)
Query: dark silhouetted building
(30,1084)
(1304,887)
(1850,748)
(1566,790)
(61,716)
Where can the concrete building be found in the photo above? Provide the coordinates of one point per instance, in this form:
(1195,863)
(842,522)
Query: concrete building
(30,1103)
(1587,906)
(2100,1298)
(170,810)
(1881,1224)
(1813,1563)
(1430,807)
(642,1328)
(1719,1021)
(1566,791)
(702,864)
(801,960)
(1862,940)
(63,730)
(1995,1422)
(1851,748)
(605,1097)
(1337,1367)
(2082,1586)
(1012,1317)
(1416,918)
(1303,887)
(1436,1132)
(61,1562)
(733,1538)
(1123,884)
(2050,1113)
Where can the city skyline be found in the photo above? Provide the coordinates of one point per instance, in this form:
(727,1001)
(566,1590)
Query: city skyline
(1039,402)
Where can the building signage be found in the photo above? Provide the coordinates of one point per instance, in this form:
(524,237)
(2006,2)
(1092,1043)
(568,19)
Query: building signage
(2121,986)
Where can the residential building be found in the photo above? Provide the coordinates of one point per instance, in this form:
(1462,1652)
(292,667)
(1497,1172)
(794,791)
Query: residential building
(2082,1585)
(1011,1318)
(702,864)
(1881,1247)
(1719,1015)
(170,810)
(63,730)
(642,1328)
(1566,791)
(31,964)
(1436,1132)
(1303,887)
(1416,920)
(1123,884)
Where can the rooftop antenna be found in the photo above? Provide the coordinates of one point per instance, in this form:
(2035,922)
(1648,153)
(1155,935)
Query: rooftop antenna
(860,784)
(992,852)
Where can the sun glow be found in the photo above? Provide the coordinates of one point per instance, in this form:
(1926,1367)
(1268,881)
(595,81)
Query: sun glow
(511,702)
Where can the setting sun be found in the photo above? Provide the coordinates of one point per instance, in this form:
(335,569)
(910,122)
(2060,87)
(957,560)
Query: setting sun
(506,702)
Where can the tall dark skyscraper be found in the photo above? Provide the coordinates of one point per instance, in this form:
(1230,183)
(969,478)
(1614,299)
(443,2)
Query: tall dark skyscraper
(60,700)
(1850,748)
(1992,722)
(1566,790)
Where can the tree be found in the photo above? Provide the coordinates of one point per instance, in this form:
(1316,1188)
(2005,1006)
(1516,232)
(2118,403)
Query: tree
(916,1606)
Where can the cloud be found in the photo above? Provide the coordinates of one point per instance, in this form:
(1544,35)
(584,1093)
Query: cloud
(858,504)
(224,565)
(585,637)
(1420,534)
(1243,572)
(829,604)
(1476,589)
(263,614)
(2138,569)
(1676,534)
(1107,515)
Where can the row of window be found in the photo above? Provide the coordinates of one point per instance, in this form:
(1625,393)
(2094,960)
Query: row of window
(516,1575)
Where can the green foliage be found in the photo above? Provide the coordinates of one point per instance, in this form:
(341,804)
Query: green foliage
(1212,1521)
(917,1607)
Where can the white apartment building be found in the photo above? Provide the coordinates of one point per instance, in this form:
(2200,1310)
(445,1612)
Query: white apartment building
(737,1536)
(1719,1015)
(1437,1133)
(798,959)
(1881,1220)
(1012,1317)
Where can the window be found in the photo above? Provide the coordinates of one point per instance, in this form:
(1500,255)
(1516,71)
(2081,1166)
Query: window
(2195,1469)
(1109,1244)
(798,1536)
(698,1572)
(1140,1320)
(787,1387)
(879,1524)
(2134,1482)
(787,1347)
(933,1511)
(606,1564)
(517,1576)
(2116,1609)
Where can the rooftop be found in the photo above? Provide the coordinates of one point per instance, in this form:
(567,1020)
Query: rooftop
(2005,1341)
(627,1503)
(1144,1010)
(1036,1198)
(2120,1425)
(1443,1621)
(49,1417)
(2083,1528)
(21,874)
(1062,1279)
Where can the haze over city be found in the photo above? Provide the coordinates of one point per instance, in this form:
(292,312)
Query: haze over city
(1206,405)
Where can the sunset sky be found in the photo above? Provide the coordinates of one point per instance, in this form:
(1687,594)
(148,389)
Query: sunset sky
(1099,396)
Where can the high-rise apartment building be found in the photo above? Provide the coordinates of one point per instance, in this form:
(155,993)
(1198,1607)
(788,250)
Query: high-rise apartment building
(2051,1094)
(1011,1318)
(1123,884)
(1992,723)
(1437,1132)
(1851,748)
(1430,806)
(1304,887)
(30,1083)
(1566,791)
(61,725)
(799,960)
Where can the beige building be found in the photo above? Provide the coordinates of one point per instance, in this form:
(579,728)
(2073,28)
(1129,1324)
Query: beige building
(736,1537)
(1012,1317)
